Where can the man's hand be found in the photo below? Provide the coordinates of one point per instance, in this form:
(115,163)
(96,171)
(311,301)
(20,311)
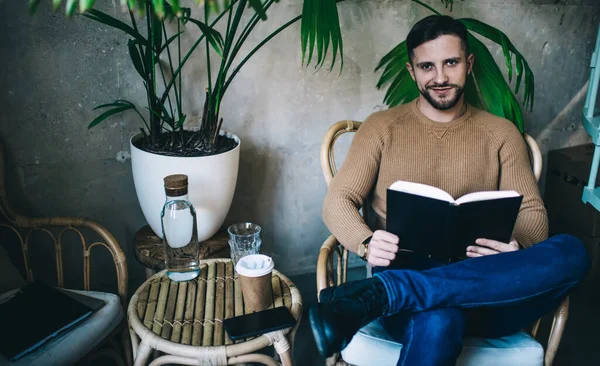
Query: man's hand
(488,247)
(382,248)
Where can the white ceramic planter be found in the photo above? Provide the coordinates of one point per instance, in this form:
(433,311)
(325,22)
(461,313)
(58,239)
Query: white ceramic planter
(211,180)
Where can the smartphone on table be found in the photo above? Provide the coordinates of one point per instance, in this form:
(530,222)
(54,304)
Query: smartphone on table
(257,323)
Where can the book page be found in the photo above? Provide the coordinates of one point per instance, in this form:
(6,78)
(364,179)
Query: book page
(422,190)
(485,196)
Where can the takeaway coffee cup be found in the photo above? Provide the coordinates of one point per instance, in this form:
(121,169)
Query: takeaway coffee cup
(255,272)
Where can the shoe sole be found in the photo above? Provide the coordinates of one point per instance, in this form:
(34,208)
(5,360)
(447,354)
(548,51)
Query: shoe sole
(317,330)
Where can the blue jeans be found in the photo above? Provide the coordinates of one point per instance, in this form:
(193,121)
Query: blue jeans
(433,306)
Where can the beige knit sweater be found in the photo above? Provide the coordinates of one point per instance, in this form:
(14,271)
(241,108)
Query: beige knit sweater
(476,152)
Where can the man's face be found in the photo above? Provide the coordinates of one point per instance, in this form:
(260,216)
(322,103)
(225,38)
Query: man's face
(440,68)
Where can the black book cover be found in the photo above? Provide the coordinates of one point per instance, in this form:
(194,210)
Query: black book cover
(445,229)
(36,313)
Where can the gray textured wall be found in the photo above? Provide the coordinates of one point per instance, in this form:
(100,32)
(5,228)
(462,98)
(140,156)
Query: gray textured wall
(54,71)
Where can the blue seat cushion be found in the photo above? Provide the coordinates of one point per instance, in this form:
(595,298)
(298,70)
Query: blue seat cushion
(73,345)
(373,346)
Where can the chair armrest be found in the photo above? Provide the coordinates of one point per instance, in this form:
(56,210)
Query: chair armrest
(71,223)
(325,264)
(558,326)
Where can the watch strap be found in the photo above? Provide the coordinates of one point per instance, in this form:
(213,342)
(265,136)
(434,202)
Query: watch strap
(365,243)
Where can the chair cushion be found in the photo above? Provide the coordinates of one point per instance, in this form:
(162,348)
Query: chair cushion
(373,346)
(76,343)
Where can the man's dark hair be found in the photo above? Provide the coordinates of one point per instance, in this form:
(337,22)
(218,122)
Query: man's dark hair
(432,27)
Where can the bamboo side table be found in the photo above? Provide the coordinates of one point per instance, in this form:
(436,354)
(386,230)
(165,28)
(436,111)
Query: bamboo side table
(184,319)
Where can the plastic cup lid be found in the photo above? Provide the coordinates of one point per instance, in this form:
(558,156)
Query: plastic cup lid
(254,265)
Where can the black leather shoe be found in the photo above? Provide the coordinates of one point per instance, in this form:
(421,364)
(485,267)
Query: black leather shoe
(334,323)
(345,290)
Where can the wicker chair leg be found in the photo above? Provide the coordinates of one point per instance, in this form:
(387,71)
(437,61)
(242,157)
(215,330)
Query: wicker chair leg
(143,352)
(286,358)
(125,342)
(135,342)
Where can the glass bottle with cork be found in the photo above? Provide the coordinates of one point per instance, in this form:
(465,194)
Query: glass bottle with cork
(180,236)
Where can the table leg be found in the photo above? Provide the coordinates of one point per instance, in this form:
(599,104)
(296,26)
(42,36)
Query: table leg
(127,348)
(143,353)
(284,350)
(286,358)
(135,341)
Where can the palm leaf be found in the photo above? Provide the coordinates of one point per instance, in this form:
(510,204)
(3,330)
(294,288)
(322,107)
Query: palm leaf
(159,8)
(306,36)
(176,7)
(70,7)
(149,59)
(258,7)
(180,122)
(117,104)
(402,88)
(134,5)
(508,50)
(157,31)
(336,42)
(213,6)
(320,27)
(165,116)
(136,58)
(171,12)
(109,113)
(494,91)
(395,60)
(471,93)
(33,5)
(106,19)
(85,5)
(212,36)
(168,42)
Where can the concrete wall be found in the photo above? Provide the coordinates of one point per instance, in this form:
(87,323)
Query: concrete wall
(53,71)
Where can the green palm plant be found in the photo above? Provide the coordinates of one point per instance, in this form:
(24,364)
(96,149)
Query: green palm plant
(164,131)
(486,87)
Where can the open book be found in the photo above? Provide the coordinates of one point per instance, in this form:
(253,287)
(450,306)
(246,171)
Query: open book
(430,221)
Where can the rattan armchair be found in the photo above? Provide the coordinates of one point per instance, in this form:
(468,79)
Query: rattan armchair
(60,231)
(331,250)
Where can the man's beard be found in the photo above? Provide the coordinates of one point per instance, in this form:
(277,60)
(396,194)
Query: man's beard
(443,104)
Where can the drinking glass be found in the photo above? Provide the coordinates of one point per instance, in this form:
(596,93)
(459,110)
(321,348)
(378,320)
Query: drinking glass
(244,239)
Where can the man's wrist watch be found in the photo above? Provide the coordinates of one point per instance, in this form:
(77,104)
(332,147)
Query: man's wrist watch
(363,249)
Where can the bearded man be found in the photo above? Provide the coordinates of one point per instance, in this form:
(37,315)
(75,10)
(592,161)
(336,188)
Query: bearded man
(427,303)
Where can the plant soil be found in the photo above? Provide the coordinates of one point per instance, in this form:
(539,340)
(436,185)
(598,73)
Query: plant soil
(167,147)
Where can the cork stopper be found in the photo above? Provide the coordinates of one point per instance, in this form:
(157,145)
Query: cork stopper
(176,181)
(176,184)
